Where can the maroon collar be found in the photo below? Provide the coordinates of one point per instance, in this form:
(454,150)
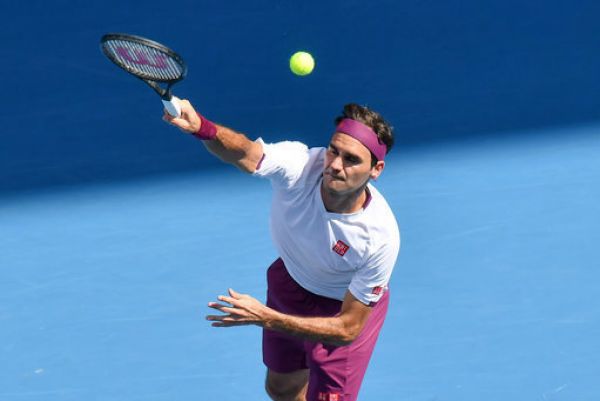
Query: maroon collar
(369,198)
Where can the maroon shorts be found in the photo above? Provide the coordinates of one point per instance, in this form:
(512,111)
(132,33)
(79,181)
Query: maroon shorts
(336,372)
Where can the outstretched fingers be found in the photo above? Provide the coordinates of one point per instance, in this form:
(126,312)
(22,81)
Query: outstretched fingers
(231,315)
(222,308)
(238,310)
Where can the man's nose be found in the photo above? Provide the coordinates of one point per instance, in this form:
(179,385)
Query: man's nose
(336,163)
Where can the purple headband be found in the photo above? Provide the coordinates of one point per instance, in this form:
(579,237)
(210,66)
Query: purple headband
(364,135)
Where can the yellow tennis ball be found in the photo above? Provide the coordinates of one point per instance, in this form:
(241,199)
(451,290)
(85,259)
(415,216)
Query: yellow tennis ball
(302,63)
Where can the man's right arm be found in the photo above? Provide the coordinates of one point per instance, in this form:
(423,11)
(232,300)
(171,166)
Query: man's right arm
(228,145)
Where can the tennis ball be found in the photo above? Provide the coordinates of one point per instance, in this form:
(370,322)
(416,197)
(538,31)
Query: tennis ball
(302,63)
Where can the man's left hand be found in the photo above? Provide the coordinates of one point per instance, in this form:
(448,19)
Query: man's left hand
(239,310)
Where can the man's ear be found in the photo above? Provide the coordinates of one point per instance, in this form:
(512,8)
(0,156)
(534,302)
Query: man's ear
(377,169)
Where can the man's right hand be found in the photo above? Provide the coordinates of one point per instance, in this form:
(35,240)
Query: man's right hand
(188,122)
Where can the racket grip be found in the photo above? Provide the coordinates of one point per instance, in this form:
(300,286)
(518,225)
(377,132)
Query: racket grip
(172,106)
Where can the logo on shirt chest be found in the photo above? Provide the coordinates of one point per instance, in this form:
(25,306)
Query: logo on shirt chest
(340,248)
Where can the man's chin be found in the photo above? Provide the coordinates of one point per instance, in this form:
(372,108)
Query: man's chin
(335,187)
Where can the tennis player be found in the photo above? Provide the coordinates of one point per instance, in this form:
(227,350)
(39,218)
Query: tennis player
(338,242)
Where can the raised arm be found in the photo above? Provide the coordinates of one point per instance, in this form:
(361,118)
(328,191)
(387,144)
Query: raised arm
(228,145)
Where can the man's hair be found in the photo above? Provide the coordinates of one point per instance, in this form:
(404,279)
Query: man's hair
(372,119)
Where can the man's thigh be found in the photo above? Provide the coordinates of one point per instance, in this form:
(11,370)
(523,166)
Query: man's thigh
(336,372)
(282,352)
(287,385)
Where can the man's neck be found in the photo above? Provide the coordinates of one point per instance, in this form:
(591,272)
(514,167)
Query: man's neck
(347,203)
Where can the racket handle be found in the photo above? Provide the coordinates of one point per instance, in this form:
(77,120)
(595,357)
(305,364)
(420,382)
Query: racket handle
(172,106)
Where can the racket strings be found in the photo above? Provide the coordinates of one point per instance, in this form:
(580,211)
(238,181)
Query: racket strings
(144,60)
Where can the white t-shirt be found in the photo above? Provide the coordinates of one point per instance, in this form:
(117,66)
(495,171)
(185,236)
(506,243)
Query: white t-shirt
(327,253)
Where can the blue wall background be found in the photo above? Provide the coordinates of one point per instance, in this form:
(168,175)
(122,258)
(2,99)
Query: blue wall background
(436,70)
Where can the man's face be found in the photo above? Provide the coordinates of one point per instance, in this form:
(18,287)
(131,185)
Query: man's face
(347,165)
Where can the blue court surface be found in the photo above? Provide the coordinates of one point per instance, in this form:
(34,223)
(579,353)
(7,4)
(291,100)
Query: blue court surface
(117,230)
(494,296)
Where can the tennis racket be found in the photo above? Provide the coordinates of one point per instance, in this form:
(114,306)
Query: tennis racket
(153,63)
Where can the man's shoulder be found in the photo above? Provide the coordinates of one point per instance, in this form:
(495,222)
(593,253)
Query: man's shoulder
(382,223)
(287,161)
(379,207)
(290,151)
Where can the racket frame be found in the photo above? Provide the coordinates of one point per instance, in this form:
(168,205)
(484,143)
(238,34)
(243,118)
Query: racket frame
(164,93)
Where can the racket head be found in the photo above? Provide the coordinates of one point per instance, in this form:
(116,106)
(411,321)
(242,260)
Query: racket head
(144,58)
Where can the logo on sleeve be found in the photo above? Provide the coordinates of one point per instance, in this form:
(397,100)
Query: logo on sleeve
(377,290)
(340,248)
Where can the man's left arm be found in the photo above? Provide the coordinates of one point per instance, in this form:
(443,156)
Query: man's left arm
(340,329)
